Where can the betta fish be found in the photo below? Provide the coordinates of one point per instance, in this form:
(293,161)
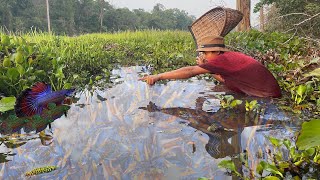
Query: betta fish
(34,100)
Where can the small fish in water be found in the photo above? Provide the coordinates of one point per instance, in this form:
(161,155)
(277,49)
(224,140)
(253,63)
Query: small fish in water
(34,100)
(41,170)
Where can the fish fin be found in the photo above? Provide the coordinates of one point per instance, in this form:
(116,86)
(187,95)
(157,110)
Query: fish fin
(27,102)
(41,88)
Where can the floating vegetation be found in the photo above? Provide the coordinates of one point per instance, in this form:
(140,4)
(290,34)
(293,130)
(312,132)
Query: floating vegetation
(286,160)
(228,101)
(41,170)
(88,60)
(252,105)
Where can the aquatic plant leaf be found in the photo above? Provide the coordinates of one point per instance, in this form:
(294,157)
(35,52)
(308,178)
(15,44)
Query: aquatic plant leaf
(5,40)
(20,69)
(310,151)
(316,159)
(234,103)
(287,143)
(270,168)
(252,105)
(6,62)
(310,135)
(18,57)
(315,72)
(13,73)
(247,106)
(259,168)
(67,86)
(228,164)
(301,90)
(7,103)
(271,178)
(203,178)
(98,78)
(283,164)
(229,98)
(276,142)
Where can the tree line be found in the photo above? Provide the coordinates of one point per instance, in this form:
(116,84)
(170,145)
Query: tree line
(298,17)
(74,17)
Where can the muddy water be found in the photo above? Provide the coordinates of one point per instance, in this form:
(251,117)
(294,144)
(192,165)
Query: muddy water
(135,131)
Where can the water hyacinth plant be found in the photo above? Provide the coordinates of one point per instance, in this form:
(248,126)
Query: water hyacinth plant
(65,61)
(286,160)
(88,59)
(22,64)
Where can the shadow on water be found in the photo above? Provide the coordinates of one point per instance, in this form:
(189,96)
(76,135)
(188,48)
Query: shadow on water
(225,126)
(135,131)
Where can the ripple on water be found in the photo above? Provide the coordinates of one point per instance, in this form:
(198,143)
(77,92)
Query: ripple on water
(133,130)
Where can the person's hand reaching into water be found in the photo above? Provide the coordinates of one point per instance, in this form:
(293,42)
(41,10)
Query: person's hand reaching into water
(151,79)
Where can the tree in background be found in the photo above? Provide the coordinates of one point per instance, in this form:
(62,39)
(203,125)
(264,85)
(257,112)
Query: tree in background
(62,14)
(6,13)
(73,17)
(21,15)
(296,16)
(87,16)
(244,7)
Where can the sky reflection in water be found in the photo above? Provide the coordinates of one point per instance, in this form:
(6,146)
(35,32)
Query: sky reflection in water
(133,130)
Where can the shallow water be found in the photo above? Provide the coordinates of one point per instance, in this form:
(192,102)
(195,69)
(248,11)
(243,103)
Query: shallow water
(133,130)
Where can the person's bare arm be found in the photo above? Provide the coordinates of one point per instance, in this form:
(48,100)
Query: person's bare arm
(182,73)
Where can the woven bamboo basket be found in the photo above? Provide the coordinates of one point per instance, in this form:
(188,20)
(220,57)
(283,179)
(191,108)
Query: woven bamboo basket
(218,21)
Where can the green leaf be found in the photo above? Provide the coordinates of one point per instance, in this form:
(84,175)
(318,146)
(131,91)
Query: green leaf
(310,135)
(6,62)
(59,73)
(310,151)
(13,73)
(98,78)
(67,86)
(301,90)
(298,163)
(259,168)
(5,40)
(228,164)
(7,103)
(247,106)
(287,143)
(274,141)
(20,69)
(315,72)
(18,57)
(271,178)
(316,158)
(75,76)
(234,103)
(253,103)
(203,178)
(229,98)
(271,168)
(284,164)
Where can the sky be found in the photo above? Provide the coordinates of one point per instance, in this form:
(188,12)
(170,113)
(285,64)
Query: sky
(192,7)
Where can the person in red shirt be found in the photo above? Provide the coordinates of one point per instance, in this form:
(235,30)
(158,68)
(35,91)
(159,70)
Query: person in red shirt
(239,72)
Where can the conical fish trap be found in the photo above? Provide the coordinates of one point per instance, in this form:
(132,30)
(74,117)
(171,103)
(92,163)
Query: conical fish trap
(217,22)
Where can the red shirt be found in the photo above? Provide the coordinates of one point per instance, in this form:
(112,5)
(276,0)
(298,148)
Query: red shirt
(244,74)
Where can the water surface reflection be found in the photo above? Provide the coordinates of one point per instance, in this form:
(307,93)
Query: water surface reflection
(107,136)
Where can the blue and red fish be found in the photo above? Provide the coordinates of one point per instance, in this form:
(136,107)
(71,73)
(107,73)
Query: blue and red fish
(34,100)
